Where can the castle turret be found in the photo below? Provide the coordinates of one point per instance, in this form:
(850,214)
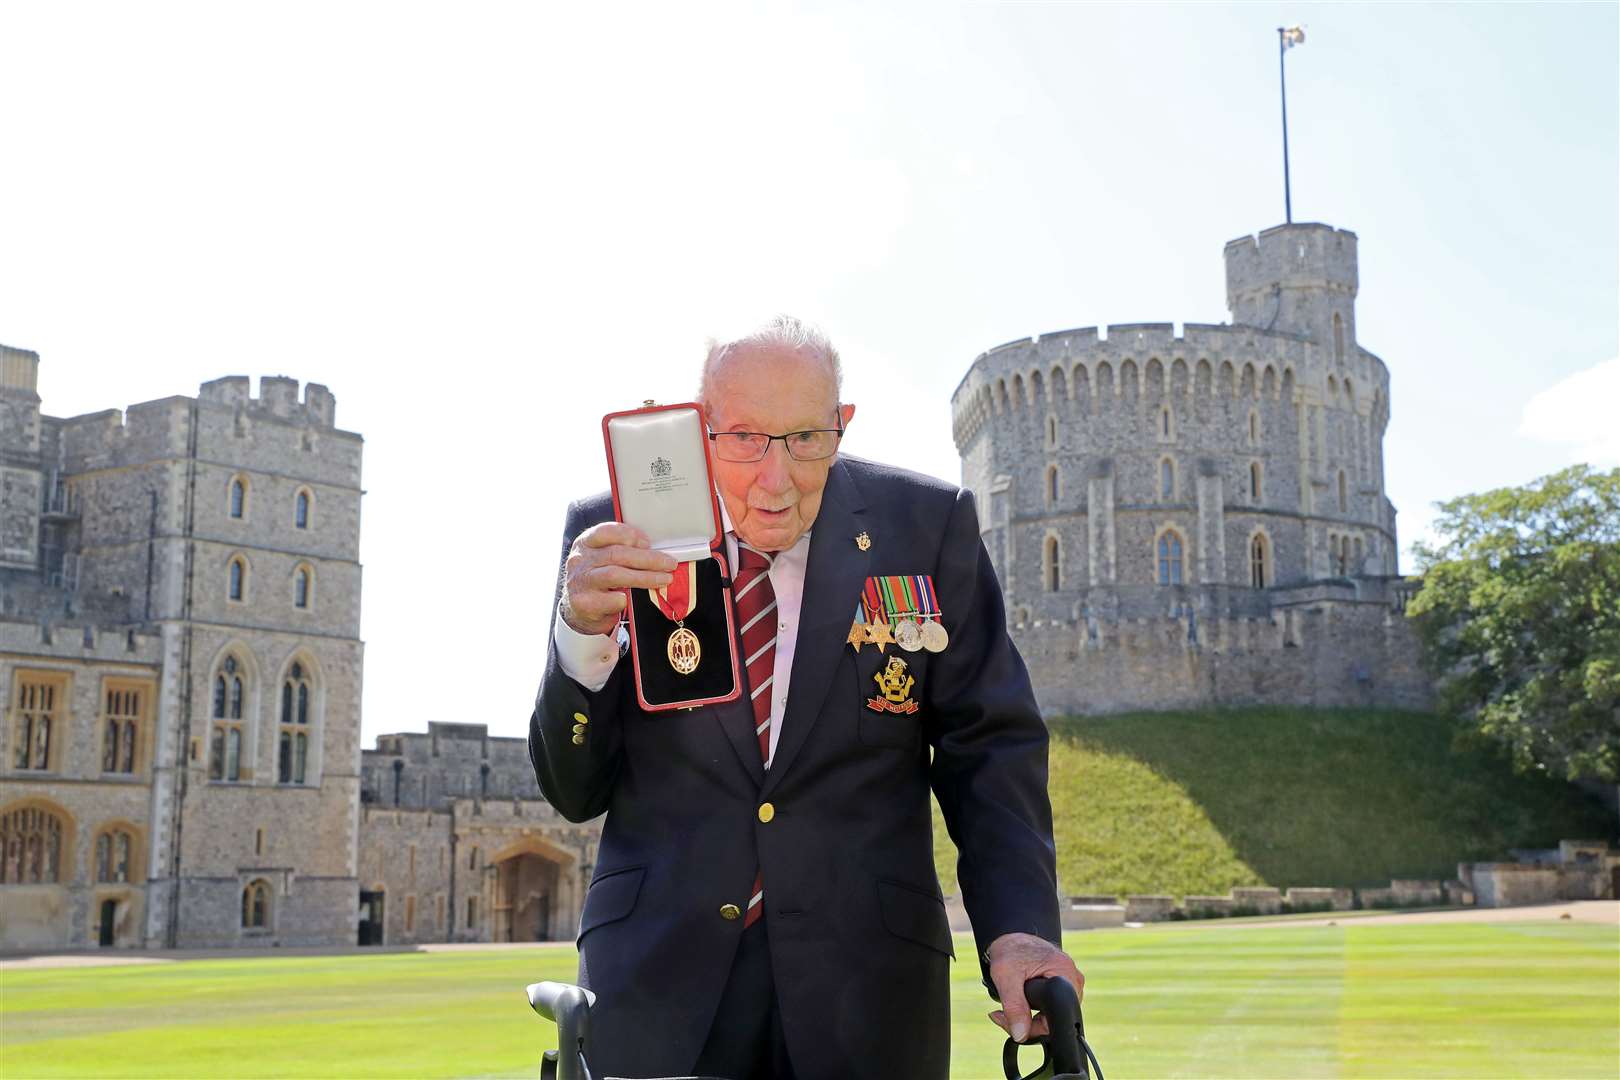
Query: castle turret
(1300,279)
(20,466)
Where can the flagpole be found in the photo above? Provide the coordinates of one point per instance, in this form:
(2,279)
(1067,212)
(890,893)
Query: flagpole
(1282,77)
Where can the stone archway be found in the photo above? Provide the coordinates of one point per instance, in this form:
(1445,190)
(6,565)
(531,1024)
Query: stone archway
(534,893)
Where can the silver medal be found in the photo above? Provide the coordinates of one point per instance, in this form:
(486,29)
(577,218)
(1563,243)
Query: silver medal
(934,637)
(908,635)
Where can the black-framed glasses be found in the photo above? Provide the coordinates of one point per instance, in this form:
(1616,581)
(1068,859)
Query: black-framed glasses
(749,446)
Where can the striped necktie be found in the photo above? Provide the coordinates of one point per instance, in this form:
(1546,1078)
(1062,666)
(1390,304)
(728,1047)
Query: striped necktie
(756,612)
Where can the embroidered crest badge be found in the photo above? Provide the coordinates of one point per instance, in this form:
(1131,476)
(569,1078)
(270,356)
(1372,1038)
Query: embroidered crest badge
(894,689)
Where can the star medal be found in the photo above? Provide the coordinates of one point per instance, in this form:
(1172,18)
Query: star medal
(676,600)
(932,631)
(877,632)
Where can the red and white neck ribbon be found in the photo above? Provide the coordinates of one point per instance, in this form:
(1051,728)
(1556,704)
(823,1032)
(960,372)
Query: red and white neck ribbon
(677,599)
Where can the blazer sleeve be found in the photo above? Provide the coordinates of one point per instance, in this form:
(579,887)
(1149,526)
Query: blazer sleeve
(989,741)
(575,739)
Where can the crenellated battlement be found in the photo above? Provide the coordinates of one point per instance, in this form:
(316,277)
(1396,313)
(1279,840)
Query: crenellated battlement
(278,396)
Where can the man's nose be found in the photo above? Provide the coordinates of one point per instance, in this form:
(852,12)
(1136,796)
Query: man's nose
(774,470)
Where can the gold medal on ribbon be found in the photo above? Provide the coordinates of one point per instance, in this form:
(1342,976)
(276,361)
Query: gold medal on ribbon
(676,600)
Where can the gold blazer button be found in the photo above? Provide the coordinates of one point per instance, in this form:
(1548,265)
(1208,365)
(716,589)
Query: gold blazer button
(579,740)
(766,811)
(730,911)
(581,718)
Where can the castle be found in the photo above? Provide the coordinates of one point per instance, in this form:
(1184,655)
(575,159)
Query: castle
(1199,519)
(1176,520)
(180,667)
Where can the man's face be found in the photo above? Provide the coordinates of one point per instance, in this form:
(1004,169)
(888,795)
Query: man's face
(773,390)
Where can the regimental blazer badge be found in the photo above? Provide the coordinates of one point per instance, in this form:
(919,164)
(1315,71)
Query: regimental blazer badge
(894,689)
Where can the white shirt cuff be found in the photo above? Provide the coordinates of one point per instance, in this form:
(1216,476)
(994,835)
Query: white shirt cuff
(588,659)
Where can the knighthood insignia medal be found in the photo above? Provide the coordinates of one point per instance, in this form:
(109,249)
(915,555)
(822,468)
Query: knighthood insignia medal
(894,689)
(676,600)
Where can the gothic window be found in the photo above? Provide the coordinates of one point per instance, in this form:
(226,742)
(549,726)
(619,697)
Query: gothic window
(113,856)
(1167,479)
(293,746)
(1169,558)
(31,843)
(1254,482)
(1338,338)
(37,720)
(1259,570)
(238,496)
(122,720)
(225,745)
(1254,427)
(1053,569)
(1166,424)
(256,905)
(237,584)
(303,579)
(1344,495)
(1051,485)
(301,510)
(1051,432)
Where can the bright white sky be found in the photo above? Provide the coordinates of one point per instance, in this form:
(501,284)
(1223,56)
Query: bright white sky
(483,226)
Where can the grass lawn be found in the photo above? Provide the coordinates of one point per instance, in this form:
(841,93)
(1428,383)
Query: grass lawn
(1197,802)
(1431,1000)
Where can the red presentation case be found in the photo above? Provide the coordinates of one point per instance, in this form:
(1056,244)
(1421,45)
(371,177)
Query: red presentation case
(662,474)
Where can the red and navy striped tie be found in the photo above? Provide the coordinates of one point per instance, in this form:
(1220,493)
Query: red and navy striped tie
(756,613)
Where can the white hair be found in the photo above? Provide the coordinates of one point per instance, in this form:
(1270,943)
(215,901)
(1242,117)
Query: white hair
(782,331)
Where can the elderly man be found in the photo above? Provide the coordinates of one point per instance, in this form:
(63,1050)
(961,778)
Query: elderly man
(765,903)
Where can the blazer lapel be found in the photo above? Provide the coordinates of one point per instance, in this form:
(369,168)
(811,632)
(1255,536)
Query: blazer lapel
(833,581)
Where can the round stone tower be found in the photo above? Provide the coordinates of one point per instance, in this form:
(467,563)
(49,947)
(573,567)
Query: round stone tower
(1136,473)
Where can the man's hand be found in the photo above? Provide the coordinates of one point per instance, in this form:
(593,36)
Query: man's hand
(605,560)
(1015,958)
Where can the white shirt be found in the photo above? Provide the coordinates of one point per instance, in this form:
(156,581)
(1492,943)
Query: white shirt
(589,659)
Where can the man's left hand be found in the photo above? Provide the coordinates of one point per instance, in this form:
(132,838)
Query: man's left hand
(1015,958)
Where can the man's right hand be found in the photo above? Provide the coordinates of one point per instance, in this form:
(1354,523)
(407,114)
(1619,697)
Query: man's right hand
(605,560)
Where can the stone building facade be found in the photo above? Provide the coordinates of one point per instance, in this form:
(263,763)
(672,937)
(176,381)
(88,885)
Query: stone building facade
(180,668)
(1181,520)
(457,844)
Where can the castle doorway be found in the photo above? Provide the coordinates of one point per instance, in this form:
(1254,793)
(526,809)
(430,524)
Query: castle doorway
(109,913)
(526,892)
(371,917)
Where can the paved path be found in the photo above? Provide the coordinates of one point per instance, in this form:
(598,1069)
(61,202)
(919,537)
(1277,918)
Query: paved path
(1605,912)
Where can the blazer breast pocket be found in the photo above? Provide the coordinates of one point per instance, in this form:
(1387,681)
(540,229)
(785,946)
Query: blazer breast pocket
(889,695)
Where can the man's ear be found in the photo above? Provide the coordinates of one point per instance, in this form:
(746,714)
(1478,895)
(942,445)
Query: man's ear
(847,411)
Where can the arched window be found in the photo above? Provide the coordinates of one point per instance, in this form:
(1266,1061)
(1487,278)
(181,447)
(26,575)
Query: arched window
(238,496)
(1254,482)
(1254,427)
(301,586)
(37,719)
(1169,558)
(123,716)
(225,746)
(1051,485)
(301,510)
(1166,424)
(1344,495)
(114,850)
(1338,338)
(1259,571)
(1167,479)
(1054,558)
(293,745)
(256,905)
(31,842)
(237,584)
(1051,432)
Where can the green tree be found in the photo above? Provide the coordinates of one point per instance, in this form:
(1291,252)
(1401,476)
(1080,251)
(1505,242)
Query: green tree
(1519,616)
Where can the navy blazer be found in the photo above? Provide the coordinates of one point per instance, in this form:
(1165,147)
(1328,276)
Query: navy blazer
(859,940)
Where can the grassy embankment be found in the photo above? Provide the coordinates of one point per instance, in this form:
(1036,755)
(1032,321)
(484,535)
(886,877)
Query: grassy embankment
(1196,803)
(1185,999)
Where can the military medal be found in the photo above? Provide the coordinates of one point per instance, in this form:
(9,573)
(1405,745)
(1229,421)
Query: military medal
(676,600)
(932,632)
(908,635)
